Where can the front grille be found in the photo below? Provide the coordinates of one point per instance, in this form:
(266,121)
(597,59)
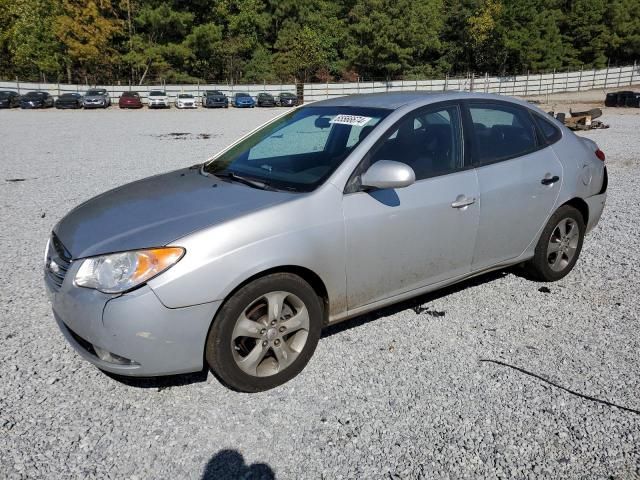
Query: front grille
(58,261)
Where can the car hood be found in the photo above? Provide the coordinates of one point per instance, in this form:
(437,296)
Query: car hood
(157,97)
(156,211)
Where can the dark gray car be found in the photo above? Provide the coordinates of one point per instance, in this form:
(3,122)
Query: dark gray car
(328,211)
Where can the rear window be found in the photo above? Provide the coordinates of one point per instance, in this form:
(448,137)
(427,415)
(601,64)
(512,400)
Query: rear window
(501,132)
(550,132)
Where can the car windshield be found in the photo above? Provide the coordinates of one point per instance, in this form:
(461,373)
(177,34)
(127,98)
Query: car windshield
(242,94)
(69,95)
(287,95)
(157,93)
(35,94)
(210,93)
(130,94)
(5,94)
(185,95)
(96,92)
(299,150)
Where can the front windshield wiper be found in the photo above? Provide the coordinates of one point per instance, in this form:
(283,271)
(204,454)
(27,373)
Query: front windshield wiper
(247,181)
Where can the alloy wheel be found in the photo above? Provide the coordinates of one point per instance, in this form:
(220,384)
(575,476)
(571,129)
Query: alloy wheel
(563,244)
(270,333)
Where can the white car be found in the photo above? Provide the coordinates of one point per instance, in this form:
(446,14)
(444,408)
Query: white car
(158,99)
(186,100)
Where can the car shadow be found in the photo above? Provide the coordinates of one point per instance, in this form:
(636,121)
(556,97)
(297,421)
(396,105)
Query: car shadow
(230,465)
(416,303)
(162,382)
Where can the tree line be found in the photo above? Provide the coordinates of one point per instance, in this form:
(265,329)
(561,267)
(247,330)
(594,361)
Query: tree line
(240,41)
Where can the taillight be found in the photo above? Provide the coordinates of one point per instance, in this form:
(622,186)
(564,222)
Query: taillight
(600,154)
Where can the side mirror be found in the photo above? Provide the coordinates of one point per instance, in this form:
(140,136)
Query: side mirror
(388,174)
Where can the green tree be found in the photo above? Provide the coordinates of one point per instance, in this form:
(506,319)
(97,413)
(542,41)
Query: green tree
(28,37)
(300,53)
(85,30)
(205,46)
(623,21)
(586,31)
(389,37)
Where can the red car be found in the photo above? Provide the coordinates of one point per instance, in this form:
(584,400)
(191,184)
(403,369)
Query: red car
(130,100)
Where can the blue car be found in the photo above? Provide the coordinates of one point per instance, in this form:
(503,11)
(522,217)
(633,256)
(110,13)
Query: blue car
(243,100)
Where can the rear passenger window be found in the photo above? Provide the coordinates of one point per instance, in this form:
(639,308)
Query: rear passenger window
(501,132)
(550,132)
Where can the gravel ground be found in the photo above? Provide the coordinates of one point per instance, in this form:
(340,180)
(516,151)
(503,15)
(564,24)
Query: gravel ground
(425,389)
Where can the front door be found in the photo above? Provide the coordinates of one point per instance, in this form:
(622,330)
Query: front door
(398,240)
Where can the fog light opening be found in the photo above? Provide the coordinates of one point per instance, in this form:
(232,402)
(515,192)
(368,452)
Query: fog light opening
(107,356)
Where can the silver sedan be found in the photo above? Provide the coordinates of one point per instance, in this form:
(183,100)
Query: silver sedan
(328,211)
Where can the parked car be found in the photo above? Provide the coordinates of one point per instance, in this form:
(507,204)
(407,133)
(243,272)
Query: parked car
(265,100)
(37,99)
(9,99)
(622,99)
(380,193)
(158,99)
(69,100)
(130,100)
(215,98)
(97,98)
(286,99)
(243,100)
(186,100)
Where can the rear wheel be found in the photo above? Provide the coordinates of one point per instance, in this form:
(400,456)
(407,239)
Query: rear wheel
(265,334)
(559,245)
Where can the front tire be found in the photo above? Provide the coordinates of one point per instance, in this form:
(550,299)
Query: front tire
(559,245)
(265,334)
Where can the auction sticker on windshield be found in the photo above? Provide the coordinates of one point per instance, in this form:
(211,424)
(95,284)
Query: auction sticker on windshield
(357,120)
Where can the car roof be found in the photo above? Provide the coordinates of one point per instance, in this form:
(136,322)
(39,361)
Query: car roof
(396,100)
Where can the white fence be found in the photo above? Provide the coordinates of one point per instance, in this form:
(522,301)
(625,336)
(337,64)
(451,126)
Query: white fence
(520,85)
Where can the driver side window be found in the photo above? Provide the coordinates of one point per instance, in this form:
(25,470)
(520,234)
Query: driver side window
(429,142)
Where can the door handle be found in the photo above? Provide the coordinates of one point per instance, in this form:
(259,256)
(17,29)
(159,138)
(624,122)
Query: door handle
(549,180)
(462,201)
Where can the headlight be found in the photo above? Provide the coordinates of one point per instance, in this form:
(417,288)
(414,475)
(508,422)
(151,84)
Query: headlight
(119,272)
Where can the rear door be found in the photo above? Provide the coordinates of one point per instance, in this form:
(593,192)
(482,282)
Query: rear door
(519,178)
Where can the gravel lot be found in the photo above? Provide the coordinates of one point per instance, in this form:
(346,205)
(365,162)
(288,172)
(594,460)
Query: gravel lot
(406,392)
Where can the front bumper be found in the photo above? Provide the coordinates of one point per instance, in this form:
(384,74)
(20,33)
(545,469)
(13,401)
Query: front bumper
(135,326)
(158,103)
(130,105)
(216,103)
(100,104)
(243,105)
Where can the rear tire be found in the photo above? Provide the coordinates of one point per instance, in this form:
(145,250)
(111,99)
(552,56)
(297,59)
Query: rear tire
(265,334)
(559,246)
